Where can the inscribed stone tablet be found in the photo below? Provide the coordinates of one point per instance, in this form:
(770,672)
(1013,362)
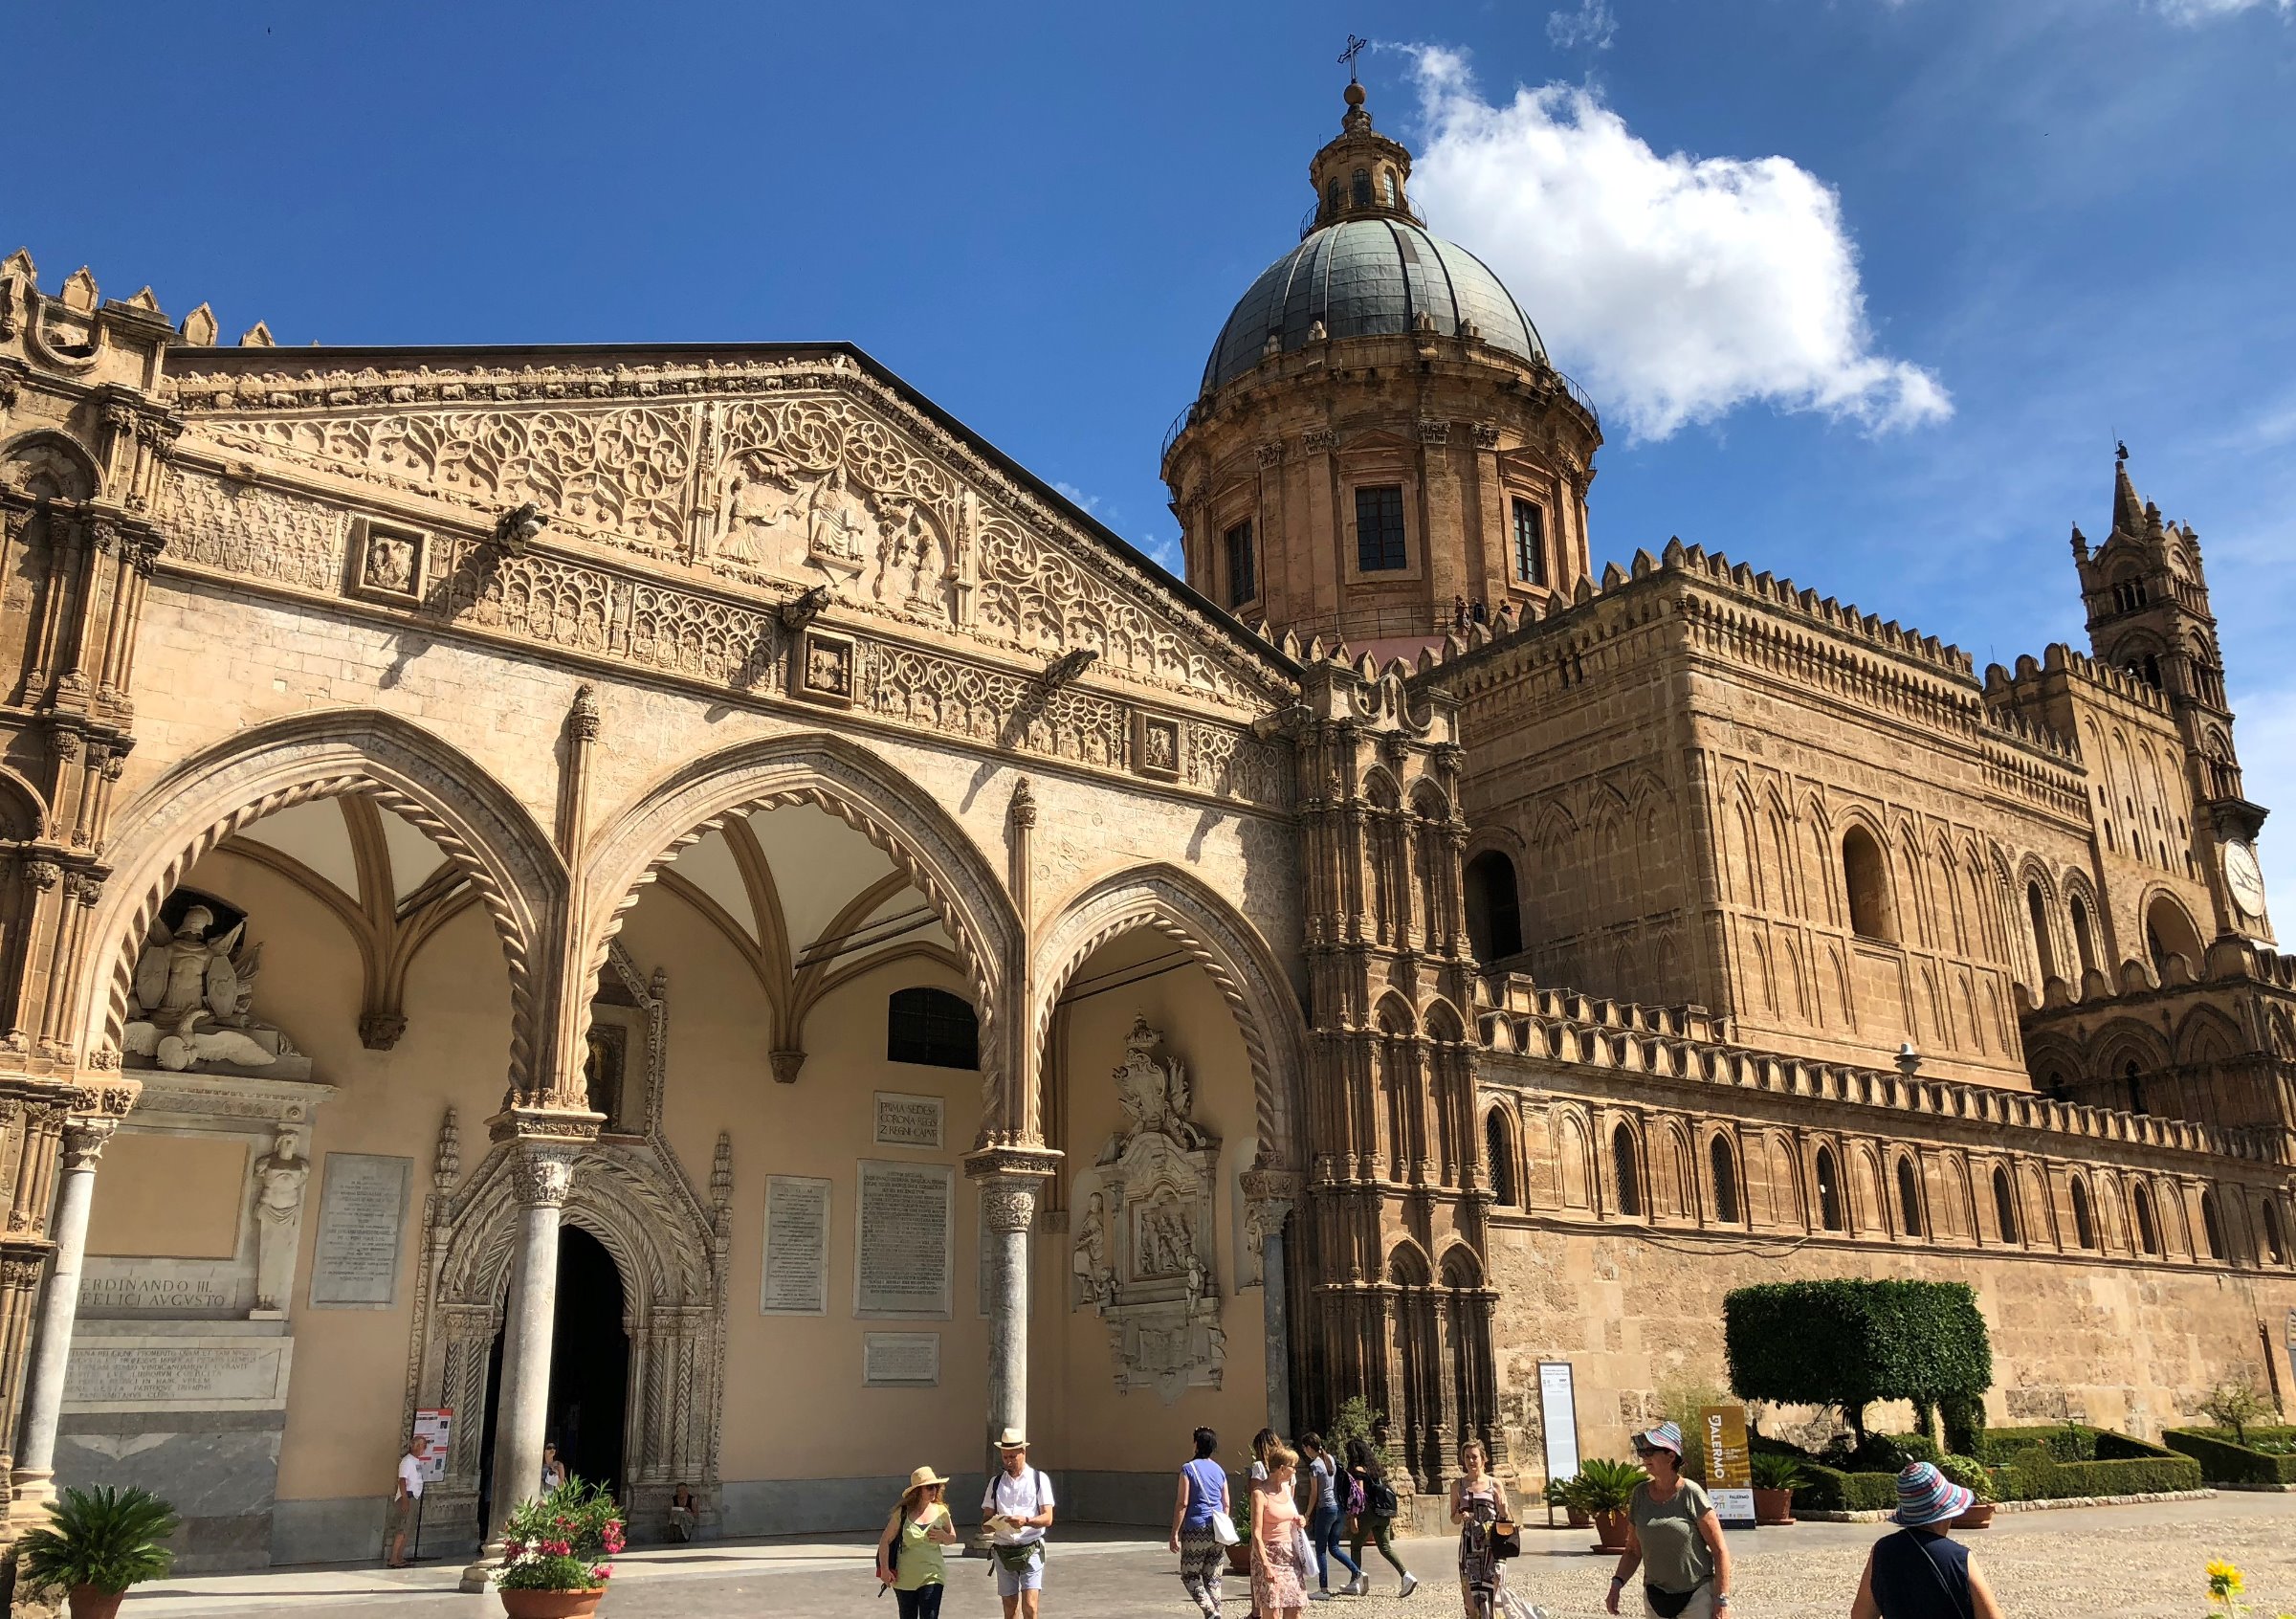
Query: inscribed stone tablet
(908,1121)
(900,1360)
(142,1374)
(797,1247)
(901,1248)
(362,1211)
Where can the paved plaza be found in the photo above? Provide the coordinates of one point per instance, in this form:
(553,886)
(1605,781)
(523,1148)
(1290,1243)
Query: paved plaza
(2134,1562)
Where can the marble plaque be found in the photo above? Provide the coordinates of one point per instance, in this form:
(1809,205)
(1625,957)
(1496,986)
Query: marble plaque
(361,1212)
(797,1247)
(161,1287)
(178,1373)
(908,1121)
(901,1239)
(900,1360)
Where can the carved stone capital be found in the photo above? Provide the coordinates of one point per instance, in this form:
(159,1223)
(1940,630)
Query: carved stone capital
(380,1031)
(584,718)
(1318,441)
(1486,436)
(543,1172)
(1269,1196)
(43,875)
(1012,1179)
(1023,803)
(786,1066)
(84,1138)
(21,1274)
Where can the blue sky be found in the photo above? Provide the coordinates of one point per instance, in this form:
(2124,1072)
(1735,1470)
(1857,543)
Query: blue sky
(1865,288)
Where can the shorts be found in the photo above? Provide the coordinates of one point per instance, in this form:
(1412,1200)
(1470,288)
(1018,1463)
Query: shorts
(1012,1582)
(401,1514)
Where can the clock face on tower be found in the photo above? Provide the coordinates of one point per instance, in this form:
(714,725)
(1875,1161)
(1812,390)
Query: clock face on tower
(2244,877)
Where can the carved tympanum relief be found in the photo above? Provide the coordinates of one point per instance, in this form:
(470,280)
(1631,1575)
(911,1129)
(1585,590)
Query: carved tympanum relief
(1145,1243)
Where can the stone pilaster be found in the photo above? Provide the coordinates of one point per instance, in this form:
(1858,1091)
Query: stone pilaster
(1269,1198)
(33,1478)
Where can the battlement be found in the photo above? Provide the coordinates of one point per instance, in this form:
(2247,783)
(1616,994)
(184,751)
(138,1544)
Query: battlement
(2030,679)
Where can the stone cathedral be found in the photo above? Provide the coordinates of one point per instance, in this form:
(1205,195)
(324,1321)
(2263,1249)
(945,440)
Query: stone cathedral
(674,902)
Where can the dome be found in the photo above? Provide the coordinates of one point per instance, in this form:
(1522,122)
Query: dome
(1368,277)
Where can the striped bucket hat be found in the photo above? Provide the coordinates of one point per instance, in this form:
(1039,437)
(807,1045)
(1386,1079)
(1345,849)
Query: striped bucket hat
(1925,1496)
(1666,1437)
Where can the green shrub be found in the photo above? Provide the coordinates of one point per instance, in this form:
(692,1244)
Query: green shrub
(2065,1442)
(1970,1475)
(1849,1344)
(1774,1471)
(2236,1405)
(1603,1485)
(1888,1453)
(1828,1489)
(2039,1478)
(105,1538)
(1964,1416)
(2224,1461)
(1355,1420)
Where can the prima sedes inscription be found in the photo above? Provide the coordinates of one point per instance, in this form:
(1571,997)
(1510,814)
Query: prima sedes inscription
(908,1121)
(361,1212)
(901,1245)
(797,1247)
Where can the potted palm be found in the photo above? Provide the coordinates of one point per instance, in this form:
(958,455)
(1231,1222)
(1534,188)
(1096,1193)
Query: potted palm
(96,1544)
(1775,1476)
(1561,1493)
(1602,1490)
(554,1552)
(1973,1475)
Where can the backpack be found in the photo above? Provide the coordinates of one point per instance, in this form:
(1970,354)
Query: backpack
(1379,1499)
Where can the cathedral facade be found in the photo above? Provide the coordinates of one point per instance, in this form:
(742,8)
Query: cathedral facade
(674,902)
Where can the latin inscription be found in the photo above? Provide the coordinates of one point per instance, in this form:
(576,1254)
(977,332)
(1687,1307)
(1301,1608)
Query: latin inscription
(175,1374)
(362,1211)
(901,1250)
(797,1247)
(908,1121)
(900,1360)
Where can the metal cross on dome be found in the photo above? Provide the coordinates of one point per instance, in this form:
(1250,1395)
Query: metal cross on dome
(1356,47)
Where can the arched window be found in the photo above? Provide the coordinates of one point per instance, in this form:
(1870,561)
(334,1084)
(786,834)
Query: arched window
(2211,1225)
(2084,1223)
(1359,188)
(2147,1229)
(1494,917)
(1330,194)
(1909,1198)
(2136,1088)
(2169,932)
(2081,942)
(2005,1205)
(1387,191)
(1829,1191)
(1866,876)
(1629,1164)
(1498,1146)
(1726,1181)
(2038,909)
(932,1027)
(2275,1248)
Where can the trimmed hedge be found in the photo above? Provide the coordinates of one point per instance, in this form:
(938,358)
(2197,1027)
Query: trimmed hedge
(2223,1462)
(2065,1442)
(1828,1489)
(1849,1344)
(2042,1479)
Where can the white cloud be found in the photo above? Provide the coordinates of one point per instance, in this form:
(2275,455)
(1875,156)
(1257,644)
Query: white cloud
(2265,735)
(1591,24)
(2194,12)
(1676,287)
(1077,496)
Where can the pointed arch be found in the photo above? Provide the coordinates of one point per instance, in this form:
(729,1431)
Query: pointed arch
(1500,1155)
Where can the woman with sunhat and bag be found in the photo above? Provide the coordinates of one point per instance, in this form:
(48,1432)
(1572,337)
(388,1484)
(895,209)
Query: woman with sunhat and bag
(1921,1572)
(1674,1536)
(909,1555)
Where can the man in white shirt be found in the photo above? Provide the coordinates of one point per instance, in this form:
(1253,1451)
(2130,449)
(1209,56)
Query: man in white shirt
(405,1499)
(1016,1509)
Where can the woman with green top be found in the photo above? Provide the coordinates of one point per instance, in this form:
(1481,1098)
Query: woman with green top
(1674,1536)
(909,1556)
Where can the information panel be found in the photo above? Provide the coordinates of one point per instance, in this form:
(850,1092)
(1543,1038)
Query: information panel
(900,1360)
(437,1424)
(1558,1419)
(1729,1464)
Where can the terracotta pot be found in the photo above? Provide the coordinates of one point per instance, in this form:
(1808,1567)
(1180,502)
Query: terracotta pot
(1239,1558)
(1979,1516)
(1577,1518)
(1773,1508)
(552,1605)
(89,1602)
(1610,1531)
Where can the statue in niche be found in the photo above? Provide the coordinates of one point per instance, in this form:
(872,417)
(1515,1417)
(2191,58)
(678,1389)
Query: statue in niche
(1157,1097)
(191,998)
(280,1176)
(767,506)
(1095,1279)
(911,561)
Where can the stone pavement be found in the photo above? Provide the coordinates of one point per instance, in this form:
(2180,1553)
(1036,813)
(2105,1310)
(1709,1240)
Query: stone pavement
(2134,1562)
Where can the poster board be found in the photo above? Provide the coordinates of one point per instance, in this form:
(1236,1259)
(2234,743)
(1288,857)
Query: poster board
(436,1424)
(1558,1423)
(1728,1462)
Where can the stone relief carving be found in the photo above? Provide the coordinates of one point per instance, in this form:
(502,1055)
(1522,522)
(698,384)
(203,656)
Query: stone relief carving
(259,533)
(1144,1245)
(189,1000)
(280,1176)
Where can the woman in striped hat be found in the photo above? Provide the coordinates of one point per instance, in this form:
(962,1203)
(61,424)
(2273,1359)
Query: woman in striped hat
(1674,1536)
(1921,1572)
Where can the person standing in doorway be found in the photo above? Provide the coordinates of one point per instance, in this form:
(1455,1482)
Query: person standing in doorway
(908,1554)
(1376,1521)
(1325,1516)
(1201,1503)
(1017,1508)
(554,1471)
(407,1497)
(1895,1583)
(1674,1536)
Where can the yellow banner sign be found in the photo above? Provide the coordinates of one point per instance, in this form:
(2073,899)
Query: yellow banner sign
(1722,1440)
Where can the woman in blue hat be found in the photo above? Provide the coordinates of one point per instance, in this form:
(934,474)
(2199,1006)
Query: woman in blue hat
(1921,1572)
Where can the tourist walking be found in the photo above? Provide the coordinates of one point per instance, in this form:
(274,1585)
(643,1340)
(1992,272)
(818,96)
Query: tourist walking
(1921,1572)
(1478,1501)
(1376,1521)
(1016,1509)
(1279,1551)
(1674,1536)
(909,1555)
(1326,1516)
(1197,1514)
(407,1497)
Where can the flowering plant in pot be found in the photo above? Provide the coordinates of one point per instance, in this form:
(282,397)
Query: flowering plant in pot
(555,1549)
(96,1544)
(1775,1476)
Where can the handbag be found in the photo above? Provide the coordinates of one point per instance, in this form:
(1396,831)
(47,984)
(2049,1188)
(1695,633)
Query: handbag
(1303,1547)
(1668,1603)
(1223,1530)
(1505,1539)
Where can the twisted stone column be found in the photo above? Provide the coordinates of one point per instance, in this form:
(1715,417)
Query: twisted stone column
(35,1476)
(543,1173)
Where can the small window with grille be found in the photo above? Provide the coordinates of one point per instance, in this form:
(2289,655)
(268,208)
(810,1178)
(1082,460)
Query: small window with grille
(1379,528)
(1243,575)
(932,1027)
(1530,543)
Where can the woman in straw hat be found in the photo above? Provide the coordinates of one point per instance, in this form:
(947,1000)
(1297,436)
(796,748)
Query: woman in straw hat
(909,1556)
(1674,1536)
(1921,1572)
